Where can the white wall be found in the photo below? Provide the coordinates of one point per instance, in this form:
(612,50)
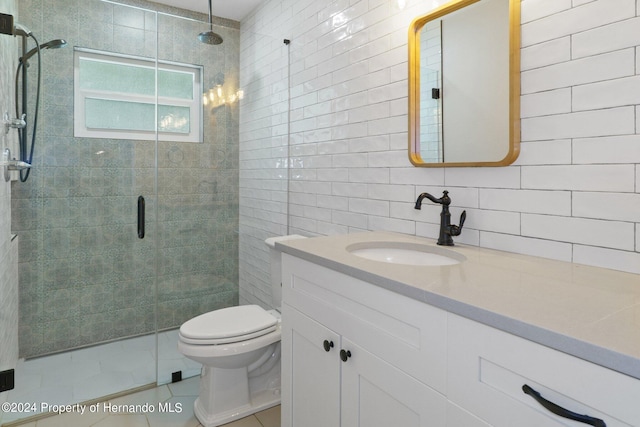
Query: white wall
(8,249)
(573,194)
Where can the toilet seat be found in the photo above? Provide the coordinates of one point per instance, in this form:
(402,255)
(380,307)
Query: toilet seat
(228,325)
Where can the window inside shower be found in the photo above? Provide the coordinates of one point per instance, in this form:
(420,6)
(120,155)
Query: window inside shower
(115,97)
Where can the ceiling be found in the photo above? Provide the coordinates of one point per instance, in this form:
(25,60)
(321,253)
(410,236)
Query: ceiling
(230,9)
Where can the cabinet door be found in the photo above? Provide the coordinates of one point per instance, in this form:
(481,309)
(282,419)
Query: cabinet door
(402,331)
(376,394)
(310,372)
(458,417)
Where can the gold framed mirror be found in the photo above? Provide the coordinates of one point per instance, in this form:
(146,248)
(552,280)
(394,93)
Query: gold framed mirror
(464,84)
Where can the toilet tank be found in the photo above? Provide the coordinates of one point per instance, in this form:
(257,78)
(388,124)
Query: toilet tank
(276,266)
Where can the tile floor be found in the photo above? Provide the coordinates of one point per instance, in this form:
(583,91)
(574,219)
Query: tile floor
(90,373)
(177,396)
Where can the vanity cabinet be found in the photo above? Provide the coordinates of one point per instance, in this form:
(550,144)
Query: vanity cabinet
(488,369)
(358,355)
(335,382)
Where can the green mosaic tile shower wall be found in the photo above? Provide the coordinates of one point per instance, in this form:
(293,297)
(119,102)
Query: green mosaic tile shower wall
(85,277)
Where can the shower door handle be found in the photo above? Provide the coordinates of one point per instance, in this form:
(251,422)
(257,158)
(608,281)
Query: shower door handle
(141,217)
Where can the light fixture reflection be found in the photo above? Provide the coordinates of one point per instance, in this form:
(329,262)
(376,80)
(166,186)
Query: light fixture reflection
(221,95)
(173,123)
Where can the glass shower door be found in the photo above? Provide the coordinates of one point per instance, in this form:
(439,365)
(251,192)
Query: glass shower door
(93,290)
(87,282)
(197,208)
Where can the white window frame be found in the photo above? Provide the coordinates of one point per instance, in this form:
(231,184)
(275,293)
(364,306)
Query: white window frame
(80,95)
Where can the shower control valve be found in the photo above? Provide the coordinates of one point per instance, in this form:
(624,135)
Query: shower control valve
(17,123)
(9,164)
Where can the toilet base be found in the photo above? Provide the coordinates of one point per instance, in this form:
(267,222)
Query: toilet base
(259,402)
(227,395)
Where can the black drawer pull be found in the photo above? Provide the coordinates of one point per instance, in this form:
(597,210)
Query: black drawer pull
(560,411)
(141,217)
(345,355)
(328,345)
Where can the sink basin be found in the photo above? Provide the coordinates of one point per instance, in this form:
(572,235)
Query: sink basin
(405,253)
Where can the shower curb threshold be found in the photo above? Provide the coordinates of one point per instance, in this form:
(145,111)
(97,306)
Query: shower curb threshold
(38,417)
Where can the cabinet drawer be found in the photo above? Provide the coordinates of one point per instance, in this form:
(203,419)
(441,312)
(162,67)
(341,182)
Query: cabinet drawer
(488,368)
(404,332)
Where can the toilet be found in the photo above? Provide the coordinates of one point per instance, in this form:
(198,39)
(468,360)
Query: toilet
(239,348)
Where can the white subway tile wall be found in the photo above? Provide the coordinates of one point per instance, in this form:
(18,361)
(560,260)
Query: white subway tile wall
(573,194)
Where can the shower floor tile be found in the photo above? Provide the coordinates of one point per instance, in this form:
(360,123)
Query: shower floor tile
(90,373)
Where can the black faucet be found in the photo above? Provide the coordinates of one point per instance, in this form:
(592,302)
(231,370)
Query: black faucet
(447,230)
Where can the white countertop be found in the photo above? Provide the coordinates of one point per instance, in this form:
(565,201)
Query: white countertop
(588,312)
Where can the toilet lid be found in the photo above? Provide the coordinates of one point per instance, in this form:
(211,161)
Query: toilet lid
(229,324)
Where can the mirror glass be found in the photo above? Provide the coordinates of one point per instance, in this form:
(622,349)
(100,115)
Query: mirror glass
(464,84)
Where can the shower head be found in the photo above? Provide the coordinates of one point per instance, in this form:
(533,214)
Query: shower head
(52,44)
(209,37)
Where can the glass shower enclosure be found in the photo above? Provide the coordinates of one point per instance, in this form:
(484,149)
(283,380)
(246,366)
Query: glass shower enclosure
(100,300)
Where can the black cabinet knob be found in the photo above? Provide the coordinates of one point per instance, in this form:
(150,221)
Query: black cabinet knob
(328,345)
(344,355)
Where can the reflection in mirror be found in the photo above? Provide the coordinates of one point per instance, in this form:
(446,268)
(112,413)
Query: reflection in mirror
(431,149)
(464,71)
